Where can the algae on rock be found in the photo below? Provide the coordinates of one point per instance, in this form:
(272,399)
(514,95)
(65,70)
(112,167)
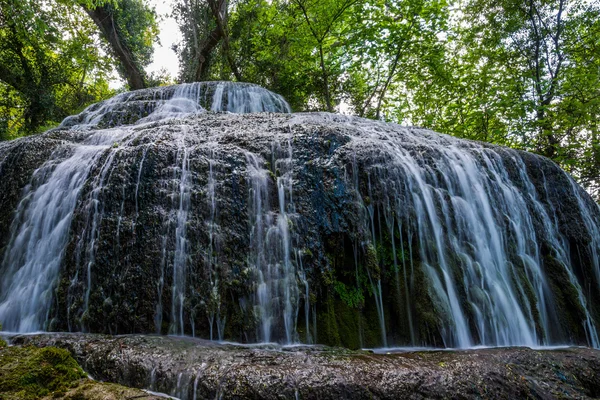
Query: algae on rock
(30,373)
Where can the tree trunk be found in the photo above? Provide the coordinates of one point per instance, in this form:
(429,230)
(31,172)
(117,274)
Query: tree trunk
(325,80)
(103,18)
(205,52)
(549,141)
(388,80)
(220,32)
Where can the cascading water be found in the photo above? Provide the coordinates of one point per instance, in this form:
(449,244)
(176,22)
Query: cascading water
(32,262)
(181,245)
(162,211)
(40,230)
(178,101)
(468,210)
(277,290)
(216,319)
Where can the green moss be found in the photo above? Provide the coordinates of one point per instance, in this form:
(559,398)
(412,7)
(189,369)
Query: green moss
(351,296)
(327,325)
(371,262)
(31,373)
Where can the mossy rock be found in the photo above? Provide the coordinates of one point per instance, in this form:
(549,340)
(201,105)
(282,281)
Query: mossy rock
(32,373)
(52,373)
(92,390)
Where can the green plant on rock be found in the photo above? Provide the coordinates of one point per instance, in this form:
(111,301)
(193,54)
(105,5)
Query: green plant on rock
(352,296)
(371,261)
(32,373)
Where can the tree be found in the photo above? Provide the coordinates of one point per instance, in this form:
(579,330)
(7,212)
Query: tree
(204,25)
(523,74)
(324,20)
(295,48)
(130,28)
(394,41)
(49,64)
(53,61)
(273,48)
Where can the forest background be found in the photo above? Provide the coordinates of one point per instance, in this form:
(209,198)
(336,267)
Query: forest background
(520,73)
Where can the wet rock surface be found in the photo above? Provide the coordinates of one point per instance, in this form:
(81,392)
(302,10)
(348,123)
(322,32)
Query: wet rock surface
(307,227)
(197,369)
(31,373)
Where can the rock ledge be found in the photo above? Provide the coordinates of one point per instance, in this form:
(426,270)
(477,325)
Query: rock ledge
(191,368)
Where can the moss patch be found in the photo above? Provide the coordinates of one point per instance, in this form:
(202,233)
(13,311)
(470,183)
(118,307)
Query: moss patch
(32,373)
(91,390)
(51,373)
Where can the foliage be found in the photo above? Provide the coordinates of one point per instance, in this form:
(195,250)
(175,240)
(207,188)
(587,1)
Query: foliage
(271,48)
(351,295)
(50,65)
(396,37)
(135,25)
(522,74)
(53,62)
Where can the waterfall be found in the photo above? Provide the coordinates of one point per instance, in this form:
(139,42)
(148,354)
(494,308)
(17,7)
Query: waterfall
(468,210)
(181,242)
(163,210)
(178,101)
(277,290)
(40,229)
(284,221)
(211,259)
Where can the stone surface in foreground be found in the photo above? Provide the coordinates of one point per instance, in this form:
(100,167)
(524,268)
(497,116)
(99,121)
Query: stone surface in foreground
(191,368)
(29,373)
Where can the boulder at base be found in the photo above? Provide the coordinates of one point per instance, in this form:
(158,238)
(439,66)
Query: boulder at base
(197,369)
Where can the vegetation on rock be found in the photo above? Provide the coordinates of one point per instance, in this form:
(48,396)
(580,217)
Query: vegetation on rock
(28,373)
(32,373)
(186,367)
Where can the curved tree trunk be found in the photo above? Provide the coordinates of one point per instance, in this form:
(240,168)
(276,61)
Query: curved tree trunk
(204,53)
(103,18)
(219,9)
